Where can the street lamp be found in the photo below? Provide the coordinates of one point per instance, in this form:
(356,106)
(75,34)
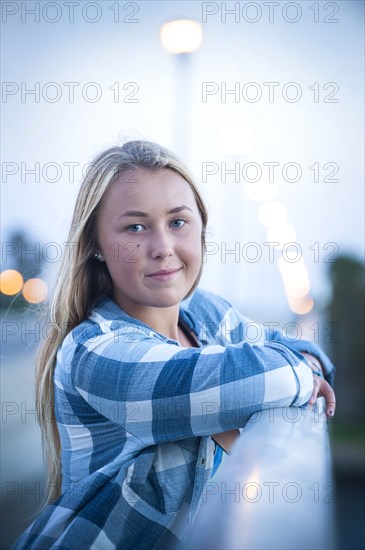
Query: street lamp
(182,37)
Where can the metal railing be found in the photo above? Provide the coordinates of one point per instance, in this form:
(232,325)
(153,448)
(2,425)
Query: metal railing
(274,491)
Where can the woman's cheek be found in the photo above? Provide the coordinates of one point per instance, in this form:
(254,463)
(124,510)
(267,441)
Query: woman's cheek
(195,256)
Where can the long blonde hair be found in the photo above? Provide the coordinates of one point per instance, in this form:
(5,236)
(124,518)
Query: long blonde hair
(82,279)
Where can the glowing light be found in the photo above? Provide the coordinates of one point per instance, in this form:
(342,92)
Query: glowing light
(181,36)
(254,476)
(301,306)
(236,139)
(297,288)
(261,192)
(35,291)
(11,282)
(293,255)
(283,234)
(272,213)
(291,268)
(295,277)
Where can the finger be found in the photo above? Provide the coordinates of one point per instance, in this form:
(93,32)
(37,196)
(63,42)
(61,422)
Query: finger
(331,408)
(315,390)
(327,392)
(330,401)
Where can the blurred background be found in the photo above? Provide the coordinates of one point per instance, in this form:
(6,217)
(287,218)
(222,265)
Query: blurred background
(264,103)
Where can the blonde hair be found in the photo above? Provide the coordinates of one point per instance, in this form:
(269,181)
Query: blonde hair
(83,279)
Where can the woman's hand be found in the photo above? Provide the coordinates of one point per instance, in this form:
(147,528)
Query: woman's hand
(315,365)
(321,388)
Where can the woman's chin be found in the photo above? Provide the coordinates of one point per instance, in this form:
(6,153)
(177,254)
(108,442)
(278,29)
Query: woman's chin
(167,297)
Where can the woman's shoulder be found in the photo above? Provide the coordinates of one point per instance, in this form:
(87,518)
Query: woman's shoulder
(210,315)
(103,321)
(216,320)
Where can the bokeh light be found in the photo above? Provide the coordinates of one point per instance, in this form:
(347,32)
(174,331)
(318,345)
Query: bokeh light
(11,282)
(261,191)
(272,213)
(290,268)
(181,36)
(236,139)
(35,291)
(301,306)
(296,283)
(295,277)
(283,234)
(297,288)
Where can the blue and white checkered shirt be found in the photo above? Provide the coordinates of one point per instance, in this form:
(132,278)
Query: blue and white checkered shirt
(135,412)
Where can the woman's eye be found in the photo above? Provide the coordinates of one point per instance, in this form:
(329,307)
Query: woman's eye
(134,228)
(178,223)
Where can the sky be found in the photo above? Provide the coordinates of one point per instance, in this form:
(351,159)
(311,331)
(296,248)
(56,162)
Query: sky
(101,75)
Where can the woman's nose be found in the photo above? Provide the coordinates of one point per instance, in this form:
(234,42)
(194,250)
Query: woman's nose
(161,244)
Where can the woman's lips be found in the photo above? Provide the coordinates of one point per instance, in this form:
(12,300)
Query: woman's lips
(164,275)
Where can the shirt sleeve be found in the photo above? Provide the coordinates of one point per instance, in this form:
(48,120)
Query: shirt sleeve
(162,392)
(307,347)
(241,326)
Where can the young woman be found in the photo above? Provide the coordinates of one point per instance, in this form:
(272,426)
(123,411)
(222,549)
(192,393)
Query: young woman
(146,378)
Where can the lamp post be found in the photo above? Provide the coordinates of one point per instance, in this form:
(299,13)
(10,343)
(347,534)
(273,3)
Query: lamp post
(182,37)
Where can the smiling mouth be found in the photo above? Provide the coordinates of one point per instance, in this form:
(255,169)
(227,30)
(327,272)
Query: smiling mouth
(164,274)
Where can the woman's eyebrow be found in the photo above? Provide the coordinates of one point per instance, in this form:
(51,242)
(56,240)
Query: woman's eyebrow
(138,213)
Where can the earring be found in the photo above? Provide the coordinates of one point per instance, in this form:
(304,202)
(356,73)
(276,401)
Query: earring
(98,256)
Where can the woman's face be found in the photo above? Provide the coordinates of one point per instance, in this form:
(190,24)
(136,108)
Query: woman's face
(149,222)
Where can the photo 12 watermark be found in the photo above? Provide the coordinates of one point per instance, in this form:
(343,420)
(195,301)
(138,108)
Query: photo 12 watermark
(69,92)
(253,252)
(234,251)
(69,171)
(269,92)
(270,12)
(270,491)
(269,172)
(70,12)
(36,332)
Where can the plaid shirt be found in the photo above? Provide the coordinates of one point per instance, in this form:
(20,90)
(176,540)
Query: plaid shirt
(135,411)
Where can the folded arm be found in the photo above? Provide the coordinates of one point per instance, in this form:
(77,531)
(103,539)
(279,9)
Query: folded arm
(161,392)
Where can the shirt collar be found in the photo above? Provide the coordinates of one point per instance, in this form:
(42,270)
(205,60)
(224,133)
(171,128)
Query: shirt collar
(109,310)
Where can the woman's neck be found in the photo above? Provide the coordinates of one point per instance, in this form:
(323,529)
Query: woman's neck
(164,320)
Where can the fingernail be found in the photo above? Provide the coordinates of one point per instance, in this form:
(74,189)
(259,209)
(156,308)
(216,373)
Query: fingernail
(331,412)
